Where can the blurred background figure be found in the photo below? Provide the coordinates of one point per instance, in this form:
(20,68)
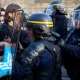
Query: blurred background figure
(2,13)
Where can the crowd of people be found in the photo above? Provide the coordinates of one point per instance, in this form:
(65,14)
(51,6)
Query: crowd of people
(34,47)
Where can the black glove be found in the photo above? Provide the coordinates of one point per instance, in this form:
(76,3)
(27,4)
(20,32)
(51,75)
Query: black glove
(62,43)
(59,41)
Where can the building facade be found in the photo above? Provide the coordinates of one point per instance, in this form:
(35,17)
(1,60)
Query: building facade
(33,6)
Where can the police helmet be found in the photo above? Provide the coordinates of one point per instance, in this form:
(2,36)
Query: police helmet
(75,17)
(41,23)
(54,7)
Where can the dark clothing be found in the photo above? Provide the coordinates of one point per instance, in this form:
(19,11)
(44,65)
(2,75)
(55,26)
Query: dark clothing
(71,56)
(60,25)
(24,40)
(44,62)
(38,68)
(38,62)
(5,30)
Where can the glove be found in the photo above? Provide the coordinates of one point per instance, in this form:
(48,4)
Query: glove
(59,41)
(62,43)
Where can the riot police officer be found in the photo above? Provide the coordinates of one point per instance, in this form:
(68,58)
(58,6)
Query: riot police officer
(56,10)
(71,47)
(37,61)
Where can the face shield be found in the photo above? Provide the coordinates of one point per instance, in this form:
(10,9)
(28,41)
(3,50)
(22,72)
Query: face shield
(75,20)
(17,25)
(18,17)
(50,10)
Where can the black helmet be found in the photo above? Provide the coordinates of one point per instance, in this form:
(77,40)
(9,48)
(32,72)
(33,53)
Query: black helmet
(55,2)
(77,8)
(75,18)
(56,7)
(41,23)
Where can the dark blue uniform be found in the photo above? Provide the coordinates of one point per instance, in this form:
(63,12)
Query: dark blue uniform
(61,25)
(40,69)
(71,56)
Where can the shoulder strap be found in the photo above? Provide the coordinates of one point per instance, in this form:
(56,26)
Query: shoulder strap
(50,47)
(55,51)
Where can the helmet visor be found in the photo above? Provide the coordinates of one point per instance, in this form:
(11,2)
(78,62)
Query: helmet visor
(75,20)
(50,10)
